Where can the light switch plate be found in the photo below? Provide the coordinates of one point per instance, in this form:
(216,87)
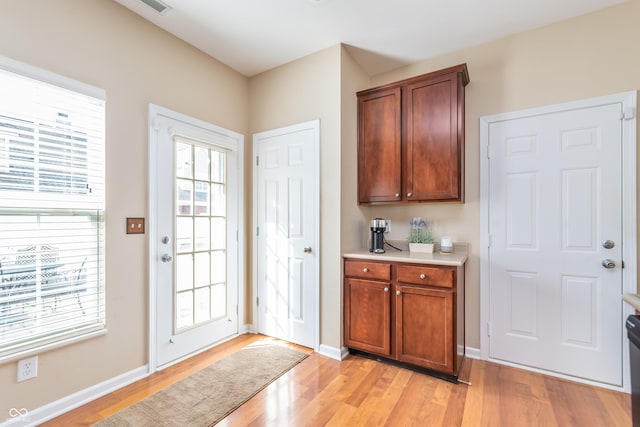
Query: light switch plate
(135,225)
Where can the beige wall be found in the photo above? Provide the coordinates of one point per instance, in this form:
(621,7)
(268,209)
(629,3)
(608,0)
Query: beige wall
(584,57)
(103,44)
(304,90)
(353,218)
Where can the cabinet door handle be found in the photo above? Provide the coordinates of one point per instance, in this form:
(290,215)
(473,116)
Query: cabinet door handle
(398,292)
(386,289)
(397,195)
(365,269)
(423,276)
(409,194)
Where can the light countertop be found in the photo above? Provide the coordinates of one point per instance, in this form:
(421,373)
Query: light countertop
(633,300)
(457,258)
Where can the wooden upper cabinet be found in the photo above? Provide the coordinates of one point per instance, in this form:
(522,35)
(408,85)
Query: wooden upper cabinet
(379,146)
(422,120)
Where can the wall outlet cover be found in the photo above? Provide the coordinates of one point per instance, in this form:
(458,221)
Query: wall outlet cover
(27,368)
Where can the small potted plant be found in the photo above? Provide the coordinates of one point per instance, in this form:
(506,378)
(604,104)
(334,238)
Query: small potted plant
(420,236)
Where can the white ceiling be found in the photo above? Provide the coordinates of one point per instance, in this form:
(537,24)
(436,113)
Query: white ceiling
(252,36)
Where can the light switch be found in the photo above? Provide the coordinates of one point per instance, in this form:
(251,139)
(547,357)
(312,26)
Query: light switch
(135,225)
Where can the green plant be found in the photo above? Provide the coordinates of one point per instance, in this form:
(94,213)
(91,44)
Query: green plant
(420,231)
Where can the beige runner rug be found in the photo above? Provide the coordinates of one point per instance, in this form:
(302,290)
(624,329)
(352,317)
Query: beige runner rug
(209,395)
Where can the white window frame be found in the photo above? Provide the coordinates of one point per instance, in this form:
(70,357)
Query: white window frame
(40,343)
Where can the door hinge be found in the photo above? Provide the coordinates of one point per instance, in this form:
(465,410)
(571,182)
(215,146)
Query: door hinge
(622,264)
(257,231)
(257,301)
(154,124)
(488,151)
(489,241)
(489,329)
(628,113)
(257,160)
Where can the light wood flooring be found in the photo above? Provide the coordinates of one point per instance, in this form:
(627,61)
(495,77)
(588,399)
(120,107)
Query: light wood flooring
(361,392)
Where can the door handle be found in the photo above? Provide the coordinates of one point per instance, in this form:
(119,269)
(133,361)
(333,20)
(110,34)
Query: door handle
(307,250)
(166,258)
(608,263)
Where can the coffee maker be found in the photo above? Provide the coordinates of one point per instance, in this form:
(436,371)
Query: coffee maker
(376,243)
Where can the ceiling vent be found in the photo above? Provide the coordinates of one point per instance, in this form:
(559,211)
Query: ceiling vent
(157,5)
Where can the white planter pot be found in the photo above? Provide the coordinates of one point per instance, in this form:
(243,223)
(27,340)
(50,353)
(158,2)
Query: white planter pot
(421,247)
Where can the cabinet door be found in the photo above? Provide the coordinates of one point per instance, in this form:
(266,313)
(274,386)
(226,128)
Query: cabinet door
(424,327)
(435,135)
(379,146)
(367,314)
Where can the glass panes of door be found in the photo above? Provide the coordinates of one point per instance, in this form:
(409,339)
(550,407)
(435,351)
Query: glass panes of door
(200,235)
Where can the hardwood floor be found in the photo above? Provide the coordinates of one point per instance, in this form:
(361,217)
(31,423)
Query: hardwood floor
(362,392)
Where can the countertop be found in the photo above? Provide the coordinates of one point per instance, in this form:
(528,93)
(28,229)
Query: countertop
(633,300)
(457,258)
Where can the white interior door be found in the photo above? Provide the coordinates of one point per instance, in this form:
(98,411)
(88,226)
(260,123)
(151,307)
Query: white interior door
(287,243)
(556,241)
(195,251)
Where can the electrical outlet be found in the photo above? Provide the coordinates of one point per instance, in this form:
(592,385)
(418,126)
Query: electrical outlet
(27,368)
(387,225)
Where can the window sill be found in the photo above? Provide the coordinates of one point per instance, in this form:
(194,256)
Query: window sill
(51,346)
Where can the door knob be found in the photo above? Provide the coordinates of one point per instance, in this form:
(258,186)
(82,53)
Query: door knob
(166,258)
(307,250)
(608,244)
(608,263)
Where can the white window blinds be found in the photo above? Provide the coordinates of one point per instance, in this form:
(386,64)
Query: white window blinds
(51,210)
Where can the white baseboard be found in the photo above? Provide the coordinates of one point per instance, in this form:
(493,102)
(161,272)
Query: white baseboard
(472,353)
(247,328)
(67,403)
(332,352)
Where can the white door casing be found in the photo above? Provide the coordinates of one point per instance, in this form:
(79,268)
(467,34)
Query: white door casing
(286,226)
(555,183)
(170,342)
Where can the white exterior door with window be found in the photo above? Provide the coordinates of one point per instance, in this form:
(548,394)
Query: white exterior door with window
(286,201)
(195,252)
(557,239)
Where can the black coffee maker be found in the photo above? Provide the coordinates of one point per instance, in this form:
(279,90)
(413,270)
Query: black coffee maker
(376,244)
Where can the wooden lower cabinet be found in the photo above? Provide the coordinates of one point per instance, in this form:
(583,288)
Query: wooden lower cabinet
(424,322)
(414,314)
(368,314)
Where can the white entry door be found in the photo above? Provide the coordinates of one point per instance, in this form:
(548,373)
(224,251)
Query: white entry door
(194,245)
(556,240)
(287,247)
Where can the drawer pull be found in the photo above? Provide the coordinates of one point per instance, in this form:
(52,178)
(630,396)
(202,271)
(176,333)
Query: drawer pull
(386,289)
(365,269)
(423,276)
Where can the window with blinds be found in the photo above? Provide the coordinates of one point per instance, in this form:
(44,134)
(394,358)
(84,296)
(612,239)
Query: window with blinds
(51,210)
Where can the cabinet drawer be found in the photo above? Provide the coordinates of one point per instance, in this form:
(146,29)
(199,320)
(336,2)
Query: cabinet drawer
(429,276)
(367,270)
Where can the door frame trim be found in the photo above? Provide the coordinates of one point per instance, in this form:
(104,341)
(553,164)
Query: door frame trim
(152,227)
(315,126)
(629,215)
